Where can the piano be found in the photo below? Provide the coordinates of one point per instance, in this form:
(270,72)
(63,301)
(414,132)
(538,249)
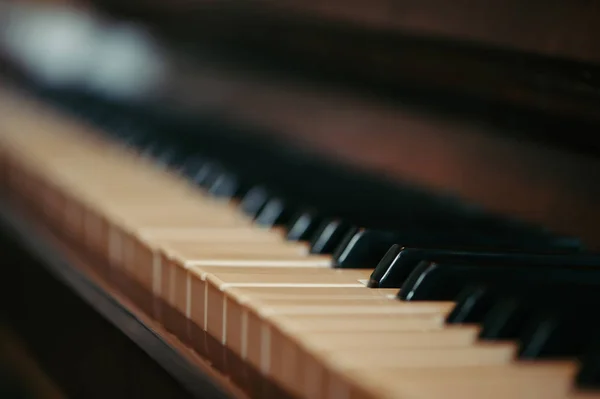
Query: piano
(383,199)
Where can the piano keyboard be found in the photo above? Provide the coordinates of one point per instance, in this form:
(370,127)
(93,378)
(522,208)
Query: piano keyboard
(277,315)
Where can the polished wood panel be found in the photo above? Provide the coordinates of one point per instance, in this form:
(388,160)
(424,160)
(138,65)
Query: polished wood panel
(102,343)
(493,51)
(510,24)
(20,372)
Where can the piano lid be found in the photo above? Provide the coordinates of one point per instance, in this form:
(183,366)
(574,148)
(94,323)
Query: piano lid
(561,29)
(535,55)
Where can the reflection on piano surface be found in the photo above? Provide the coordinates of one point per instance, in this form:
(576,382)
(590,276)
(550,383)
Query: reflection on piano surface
(314,235)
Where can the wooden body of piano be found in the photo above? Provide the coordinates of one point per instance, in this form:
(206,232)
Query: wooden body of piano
(387,199)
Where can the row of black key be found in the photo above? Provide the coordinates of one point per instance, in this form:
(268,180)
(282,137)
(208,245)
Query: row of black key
(356,241)
(547,303)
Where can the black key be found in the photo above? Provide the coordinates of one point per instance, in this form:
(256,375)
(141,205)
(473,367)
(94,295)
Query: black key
(132,133)
(398,263)
(557,333)
(537,336)
(304,225)
(505,319)
(275,213)
(363,248)
(330,235)
(440,281)
(588,376)
(207,174)
(151,150)
(384,267)
(472,304)
(519,302)
(190,166)
(227,186)
(168,157)
(254,201)
(366,247)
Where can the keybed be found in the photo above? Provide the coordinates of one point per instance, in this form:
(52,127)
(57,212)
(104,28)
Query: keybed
(251,302)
